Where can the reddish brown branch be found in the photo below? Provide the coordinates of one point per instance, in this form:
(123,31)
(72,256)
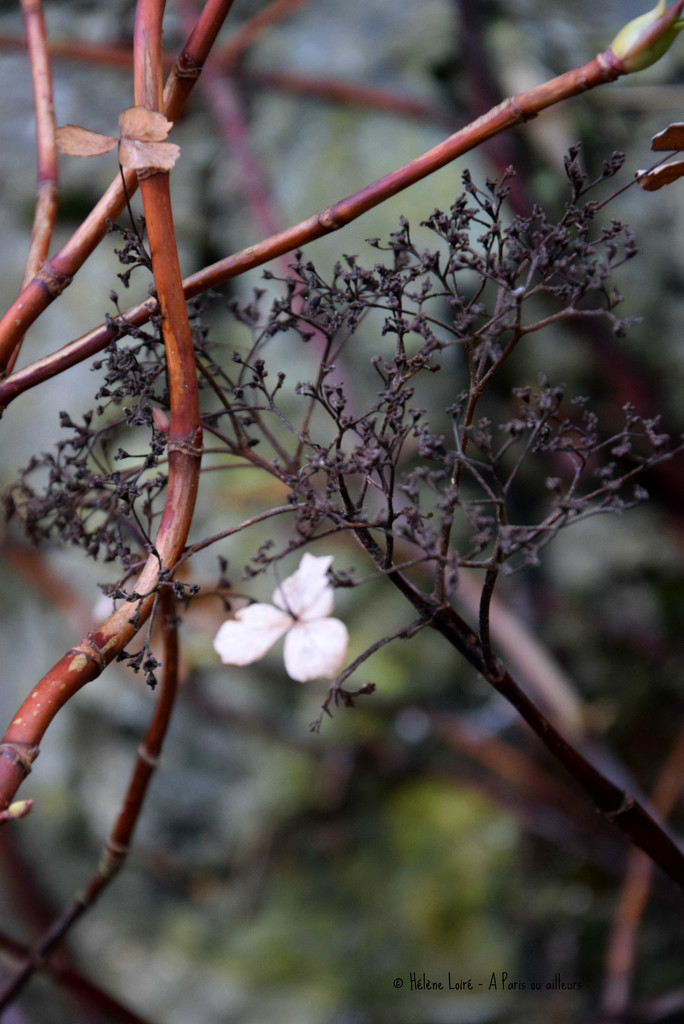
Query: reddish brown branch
(86,53)
(116,848)
(307,87)
(56,274)
(512,111)
(331,90)
(46,202)
(232,51)
(86,661)
(621,954)
(46,207)
(620,808)
(88,994)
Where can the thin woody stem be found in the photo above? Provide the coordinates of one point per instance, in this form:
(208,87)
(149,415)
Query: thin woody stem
(616,804)
(621,954)
(116,848)
(91,996)
(45,212)
(56,274)
(514,110)
(85,662)
(232,51)
(312,87)
(46,207)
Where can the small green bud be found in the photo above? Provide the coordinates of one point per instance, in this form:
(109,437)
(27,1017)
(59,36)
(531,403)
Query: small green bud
(644,40)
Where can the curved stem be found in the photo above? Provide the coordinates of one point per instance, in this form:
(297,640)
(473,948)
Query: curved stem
(56,274)
(85,662)
(512,111)
(116,848)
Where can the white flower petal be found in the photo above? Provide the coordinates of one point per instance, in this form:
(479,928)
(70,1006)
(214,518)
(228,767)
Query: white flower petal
(316,650)
(248,636)
(307,594)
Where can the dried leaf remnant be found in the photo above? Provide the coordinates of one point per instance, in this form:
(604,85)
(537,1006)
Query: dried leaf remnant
(671,138)
(142,145)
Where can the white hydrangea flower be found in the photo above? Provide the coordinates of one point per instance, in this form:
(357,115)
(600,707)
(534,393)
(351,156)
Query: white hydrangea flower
(315,644)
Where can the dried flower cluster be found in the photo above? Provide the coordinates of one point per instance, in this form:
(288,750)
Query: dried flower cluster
(420,425)
(491,475)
